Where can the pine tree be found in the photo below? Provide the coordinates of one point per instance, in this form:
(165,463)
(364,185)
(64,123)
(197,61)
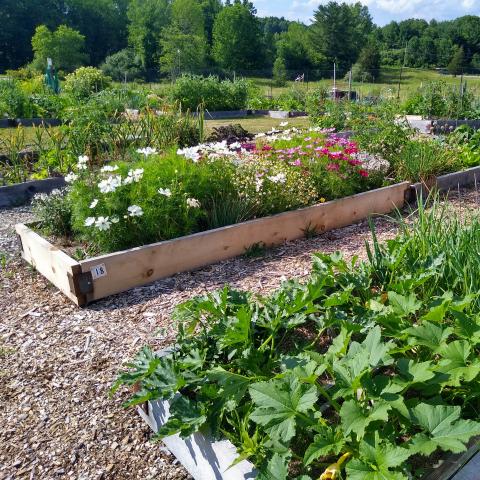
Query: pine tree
(455,67)
(280,72)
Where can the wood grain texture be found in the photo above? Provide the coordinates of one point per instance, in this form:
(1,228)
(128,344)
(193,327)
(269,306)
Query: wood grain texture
(49,260)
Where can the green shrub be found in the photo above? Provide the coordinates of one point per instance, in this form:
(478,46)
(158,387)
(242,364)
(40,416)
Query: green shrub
(192,91)
(13,101)
(54,212)
(122,66)
(422,160)
(86,81)
(441,100)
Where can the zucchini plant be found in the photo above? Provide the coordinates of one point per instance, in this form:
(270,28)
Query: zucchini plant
(366,369)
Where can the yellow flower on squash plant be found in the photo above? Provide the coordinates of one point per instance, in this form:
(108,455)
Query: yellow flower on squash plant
(334,471)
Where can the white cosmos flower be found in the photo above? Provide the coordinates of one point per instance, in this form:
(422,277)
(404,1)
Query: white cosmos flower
(147,151)
(192,153)
(114,219)
(258,184)
(193,203)
(284,124)
(103,223)
(71,177)
(94,203)
(134,176)
(110,184)
(109,168)
(279,178)
(135,211)
(165,191)
(82,162)
(89,221)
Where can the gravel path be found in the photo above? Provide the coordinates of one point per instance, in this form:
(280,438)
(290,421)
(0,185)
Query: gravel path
(57,362)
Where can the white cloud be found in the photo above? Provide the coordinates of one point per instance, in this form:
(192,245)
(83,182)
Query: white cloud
(382,11)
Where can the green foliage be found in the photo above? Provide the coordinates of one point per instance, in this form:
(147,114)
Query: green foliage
(440,100)
(422,160)
(85,81)
(388,346)
(367,67)
(280,72)
(183,41)
(55,212)
(13,101)
(123,65)
(456,65)
(192,91)
(162,217)
(236,39)
(147,18)
(340,31)
(64,46)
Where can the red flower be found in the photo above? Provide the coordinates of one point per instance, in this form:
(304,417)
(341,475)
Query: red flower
(333,167)
(363,173)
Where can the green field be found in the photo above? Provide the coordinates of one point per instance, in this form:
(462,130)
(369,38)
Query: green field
(388,83)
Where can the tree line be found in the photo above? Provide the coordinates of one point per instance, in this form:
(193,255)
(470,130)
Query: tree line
(148,38)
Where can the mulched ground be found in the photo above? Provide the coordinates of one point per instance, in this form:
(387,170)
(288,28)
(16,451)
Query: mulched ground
(57,361)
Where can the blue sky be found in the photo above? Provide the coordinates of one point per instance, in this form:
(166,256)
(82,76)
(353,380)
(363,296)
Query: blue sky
(383,11)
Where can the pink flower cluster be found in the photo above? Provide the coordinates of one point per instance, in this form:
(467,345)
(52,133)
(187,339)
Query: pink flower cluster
(338,153)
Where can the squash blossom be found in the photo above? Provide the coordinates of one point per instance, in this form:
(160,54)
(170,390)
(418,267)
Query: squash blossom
(334,470)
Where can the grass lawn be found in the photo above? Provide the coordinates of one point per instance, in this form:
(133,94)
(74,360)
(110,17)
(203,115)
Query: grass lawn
(257,124)
(412,79)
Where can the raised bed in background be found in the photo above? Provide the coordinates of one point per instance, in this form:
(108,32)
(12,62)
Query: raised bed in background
(99,277)
(29,122)
(20,193)
(278,114)
(439,126)
(37,122)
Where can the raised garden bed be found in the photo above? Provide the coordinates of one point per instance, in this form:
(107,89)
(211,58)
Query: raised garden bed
(29,122)
(20,193)
(205,458)
(37,122)
(96,278)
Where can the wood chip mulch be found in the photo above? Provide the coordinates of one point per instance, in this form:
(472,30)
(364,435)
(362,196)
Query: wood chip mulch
(57,361)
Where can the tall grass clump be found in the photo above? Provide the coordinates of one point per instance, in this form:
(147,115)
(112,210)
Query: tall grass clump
(421,161)
(438,251)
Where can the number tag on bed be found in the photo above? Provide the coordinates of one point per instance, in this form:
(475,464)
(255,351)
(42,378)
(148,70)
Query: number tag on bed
(99,271)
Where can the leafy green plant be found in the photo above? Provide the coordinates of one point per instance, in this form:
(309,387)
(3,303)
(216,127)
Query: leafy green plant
(191,91)
(368,367)
(421,160)
(54,212)
(13,101)
(85,81)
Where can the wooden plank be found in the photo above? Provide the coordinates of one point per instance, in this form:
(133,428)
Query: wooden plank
(142,265)
(202,456)
(50,261)
(471,471)
(451,463)
(445,183)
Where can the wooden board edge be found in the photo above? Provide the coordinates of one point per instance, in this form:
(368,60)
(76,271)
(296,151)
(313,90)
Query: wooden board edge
(453,463)
(50,261)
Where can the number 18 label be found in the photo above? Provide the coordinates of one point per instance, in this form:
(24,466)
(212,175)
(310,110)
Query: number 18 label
(99,271)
